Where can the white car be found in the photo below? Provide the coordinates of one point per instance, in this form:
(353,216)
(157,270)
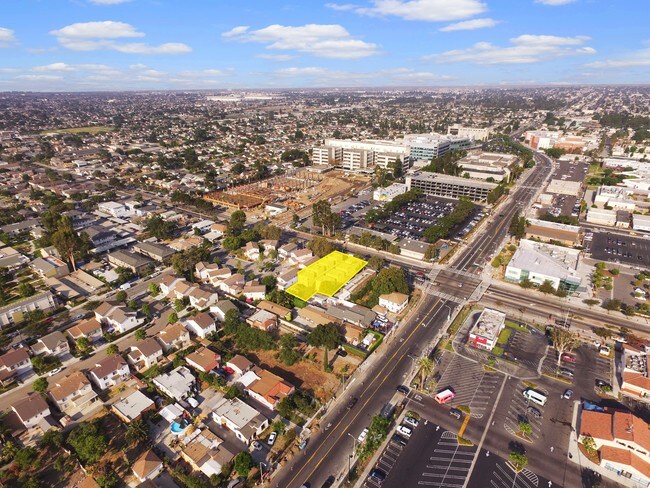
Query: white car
(405,431)
(54,371)
(271,440)
(412,421)
(257,446)
(362,436)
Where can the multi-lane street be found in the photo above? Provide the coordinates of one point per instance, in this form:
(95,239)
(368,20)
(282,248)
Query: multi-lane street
(328,452)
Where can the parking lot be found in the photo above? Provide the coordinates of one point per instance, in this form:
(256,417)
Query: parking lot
(496,473)
(474,387)
(415,217)
(634,251)
(432,457)
(519,411)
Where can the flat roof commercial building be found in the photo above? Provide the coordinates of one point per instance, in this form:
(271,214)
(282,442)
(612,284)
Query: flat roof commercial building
(539,262)
(486,330)
(439,185)
(567,235)
(483,165)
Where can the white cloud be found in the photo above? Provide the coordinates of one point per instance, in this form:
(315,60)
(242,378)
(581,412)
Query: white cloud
(63,67)
(7,37)
(55,67)
(325,41)
(276,57)
(108,2)
(92,36)
(421,10)
(526,49)
(470,25)
(39,77)
(342,7)
(638,59)
(554,2)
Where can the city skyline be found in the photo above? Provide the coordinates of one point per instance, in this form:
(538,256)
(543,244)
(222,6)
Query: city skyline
(86,45)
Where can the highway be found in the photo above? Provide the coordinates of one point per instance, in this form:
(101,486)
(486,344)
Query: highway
(327,453)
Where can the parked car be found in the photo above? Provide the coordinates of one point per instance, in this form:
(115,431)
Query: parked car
(454,412)
(568,393)
(398,439)
(534,412)
(566,372)
(603,384)
(405,431)
(54,371)
(257,446)
(412,421)
(568,358)
(403,389)
(362,436)
(353,401)
(271,440)
(377,475)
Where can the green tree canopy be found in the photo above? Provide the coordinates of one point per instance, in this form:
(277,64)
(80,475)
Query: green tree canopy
(325,335)
(88,442)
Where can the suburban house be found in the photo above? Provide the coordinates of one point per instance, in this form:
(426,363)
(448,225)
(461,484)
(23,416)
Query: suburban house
(623,442)
(201,325)
(133,406)
(50,267)
(91,329)
(277,310)
(14,313)
(109,372)
(14,363)
(177,384)
(287,278)
(211,273)
(221,308)
(137,263)
(239,364)
(203,359)
(269,245)
(31,409)
(265,387)
(117,316)
(72,393)
(168,283)
(52,344)
(242,419)
(147,466)
(285,251)
(219,229)
(252,251)
(262,319)
(207,453)
(254,291)
(173,336)
(301,256)
(144,354)
(394,302)
(233,285)
(201,298)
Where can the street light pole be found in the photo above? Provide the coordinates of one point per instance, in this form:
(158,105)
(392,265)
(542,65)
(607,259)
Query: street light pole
(354,450)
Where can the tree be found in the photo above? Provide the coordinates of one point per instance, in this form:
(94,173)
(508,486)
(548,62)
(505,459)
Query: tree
(288,353)
(146,309)
(83,345)
(40,385)
(563,341)
(526,283)
(52,438)
(376,263)
(112,350)
(325,335)
(159,228)
(323,217)
(243,463)
(154,289)
(270,282)
(236,222)
(613,304)
(133,305)
(232,243)
(525,428)
(426,367)
(547,287)
(172,318)
(179,304)
(591,302)
(121,296)
(88,442)
(518,460)
(38,363)
(321,246)
(26,459)
(137,431)
(66,241)
(26,290)
(517,226)
(614,271)
(140,334)
(589,445)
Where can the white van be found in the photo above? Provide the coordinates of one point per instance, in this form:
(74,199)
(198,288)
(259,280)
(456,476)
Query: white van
(535,396)
(125,286)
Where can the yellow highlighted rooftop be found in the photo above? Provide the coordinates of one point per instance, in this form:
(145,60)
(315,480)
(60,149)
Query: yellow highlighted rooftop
(326,276)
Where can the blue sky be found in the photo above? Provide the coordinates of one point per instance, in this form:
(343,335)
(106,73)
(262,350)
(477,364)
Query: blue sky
(76,45)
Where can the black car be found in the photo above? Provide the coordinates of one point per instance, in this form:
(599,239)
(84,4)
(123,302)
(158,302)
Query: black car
(534,412)
(398,439)
(377,475)
(603,384)
(454,412)
(353,401)
(403,389)
(329,482)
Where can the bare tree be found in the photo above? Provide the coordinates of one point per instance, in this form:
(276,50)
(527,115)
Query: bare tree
(563,341)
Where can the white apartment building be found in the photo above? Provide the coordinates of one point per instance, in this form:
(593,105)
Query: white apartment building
(476,133)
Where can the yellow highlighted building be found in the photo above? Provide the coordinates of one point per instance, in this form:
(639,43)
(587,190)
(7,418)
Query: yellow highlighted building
(326,276)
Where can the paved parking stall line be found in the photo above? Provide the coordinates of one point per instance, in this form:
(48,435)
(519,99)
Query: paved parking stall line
(505,477)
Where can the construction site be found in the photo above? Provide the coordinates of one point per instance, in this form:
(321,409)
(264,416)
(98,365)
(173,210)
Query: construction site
(297,190)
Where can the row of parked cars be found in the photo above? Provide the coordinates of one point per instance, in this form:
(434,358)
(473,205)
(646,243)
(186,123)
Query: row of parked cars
(401,437)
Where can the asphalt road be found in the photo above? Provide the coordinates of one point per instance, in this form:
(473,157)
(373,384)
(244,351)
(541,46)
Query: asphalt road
(328,452)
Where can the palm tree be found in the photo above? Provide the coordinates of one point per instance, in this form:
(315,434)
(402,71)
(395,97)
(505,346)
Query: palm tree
(137,431)
(426,367)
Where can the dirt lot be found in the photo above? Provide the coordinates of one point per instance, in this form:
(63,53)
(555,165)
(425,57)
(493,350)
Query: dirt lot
(306,374)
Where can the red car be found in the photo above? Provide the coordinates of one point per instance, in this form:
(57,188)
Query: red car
(568,358)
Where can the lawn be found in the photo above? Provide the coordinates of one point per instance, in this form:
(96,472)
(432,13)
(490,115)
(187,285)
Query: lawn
(497,351)
(91,129)
(504,336)
(516,326)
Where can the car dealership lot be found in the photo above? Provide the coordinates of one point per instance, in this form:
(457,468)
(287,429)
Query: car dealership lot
(634,251)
